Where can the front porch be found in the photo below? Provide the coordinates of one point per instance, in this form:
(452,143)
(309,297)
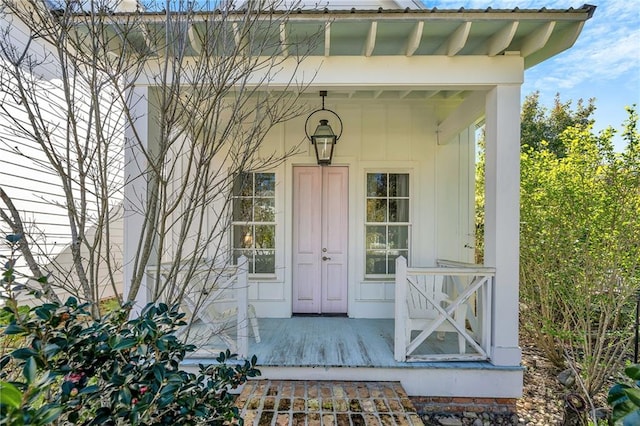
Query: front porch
(313,341)
(439,342)
(355,349)
(441,313)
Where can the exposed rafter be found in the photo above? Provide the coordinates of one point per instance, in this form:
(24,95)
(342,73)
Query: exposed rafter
(456,41)
(536,40)
(284,42)
(327,38)
(535,34)
(561,42)
(501,40)
(413,42)
(370,43)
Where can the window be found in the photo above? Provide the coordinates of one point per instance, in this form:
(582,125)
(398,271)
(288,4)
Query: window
(387,222)
(254,226)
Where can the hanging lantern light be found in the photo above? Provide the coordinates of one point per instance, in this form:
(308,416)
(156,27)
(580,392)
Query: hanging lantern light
(324,138)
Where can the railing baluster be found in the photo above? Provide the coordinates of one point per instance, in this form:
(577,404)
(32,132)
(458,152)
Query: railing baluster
(242,298)
(401,310)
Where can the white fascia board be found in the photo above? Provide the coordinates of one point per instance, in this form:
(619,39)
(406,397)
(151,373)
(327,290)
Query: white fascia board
(457,73)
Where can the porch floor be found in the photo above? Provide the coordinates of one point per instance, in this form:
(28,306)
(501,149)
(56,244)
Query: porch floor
(329,342)
(291,403)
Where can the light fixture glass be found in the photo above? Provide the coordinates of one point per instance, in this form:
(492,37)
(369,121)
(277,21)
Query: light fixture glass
(324,140)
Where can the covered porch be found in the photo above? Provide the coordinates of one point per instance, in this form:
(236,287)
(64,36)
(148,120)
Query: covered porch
(357,349)
(441,313)
(440,354)
(441,328)
(316,341)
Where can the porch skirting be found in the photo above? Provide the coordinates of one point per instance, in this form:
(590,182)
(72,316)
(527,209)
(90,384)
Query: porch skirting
(459,380)
(438,380)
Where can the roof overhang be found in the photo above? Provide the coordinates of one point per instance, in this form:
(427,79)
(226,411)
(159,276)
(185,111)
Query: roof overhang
(442,56)
(535,35)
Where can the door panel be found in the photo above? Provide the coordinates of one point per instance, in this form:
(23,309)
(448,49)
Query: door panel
(320,221)
(334,233)
(306,240)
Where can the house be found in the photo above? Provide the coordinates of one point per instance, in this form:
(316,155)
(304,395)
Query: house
(346,247)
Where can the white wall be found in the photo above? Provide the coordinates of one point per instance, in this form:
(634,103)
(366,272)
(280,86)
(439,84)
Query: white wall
(381,136)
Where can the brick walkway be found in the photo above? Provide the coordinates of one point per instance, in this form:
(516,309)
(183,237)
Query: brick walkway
(291,403)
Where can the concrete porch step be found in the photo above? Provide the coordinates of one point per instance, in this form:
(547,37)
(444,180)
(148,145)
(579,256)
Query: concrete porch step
(326,403)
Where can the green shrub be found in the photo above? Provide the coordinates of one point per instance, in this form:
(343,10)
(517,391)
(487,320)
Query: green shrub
(74,369)
(625,399)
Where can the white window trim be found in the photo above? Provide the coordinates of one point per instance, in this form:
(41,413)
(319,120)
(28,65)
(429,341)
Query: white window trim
(409,224)
(277,244)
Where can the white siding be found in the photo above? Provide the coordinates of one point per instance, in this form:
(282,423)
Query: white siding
(396,136)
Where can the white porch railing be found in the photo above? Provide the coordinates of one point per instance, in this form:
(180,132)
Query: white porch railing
(452,297)
(217,299)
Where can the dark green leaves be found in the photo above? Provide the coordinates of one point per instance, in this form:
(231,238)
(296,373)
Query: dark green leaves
(118,343)
(113,370)
(633,372)
(30,370)
(14,328)
(625,399)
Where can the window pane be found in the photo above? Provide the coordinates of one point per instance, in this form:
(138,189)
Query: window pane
(398,210)
(265,262)
(265,210)
(242,209)
(391,264)
(398,237)
(265,184)
(265,236)
(376,237)
(376,185)
(399,185)
(242,236)
(376,210)
(247,253)
(243,185)
(376,262)
(387,204)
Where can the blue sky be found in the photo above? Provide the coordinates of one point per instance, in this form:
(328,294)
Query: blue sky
(603,64)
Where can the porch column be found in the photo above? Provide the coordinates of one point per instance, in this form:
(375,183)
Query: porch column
(502,216)
(135,189)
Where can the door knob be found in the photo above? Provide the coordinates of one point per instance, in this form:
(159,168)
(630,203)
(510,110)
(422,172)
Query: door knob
(326,258)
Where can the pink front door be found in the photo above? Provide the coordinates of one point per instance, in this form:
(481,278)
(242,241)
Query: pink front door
(320,221)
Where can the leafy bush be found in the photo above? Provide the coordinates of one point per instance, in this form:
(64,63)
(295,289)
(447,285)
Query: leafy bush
(625,399)
(580,258)
(111,371)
